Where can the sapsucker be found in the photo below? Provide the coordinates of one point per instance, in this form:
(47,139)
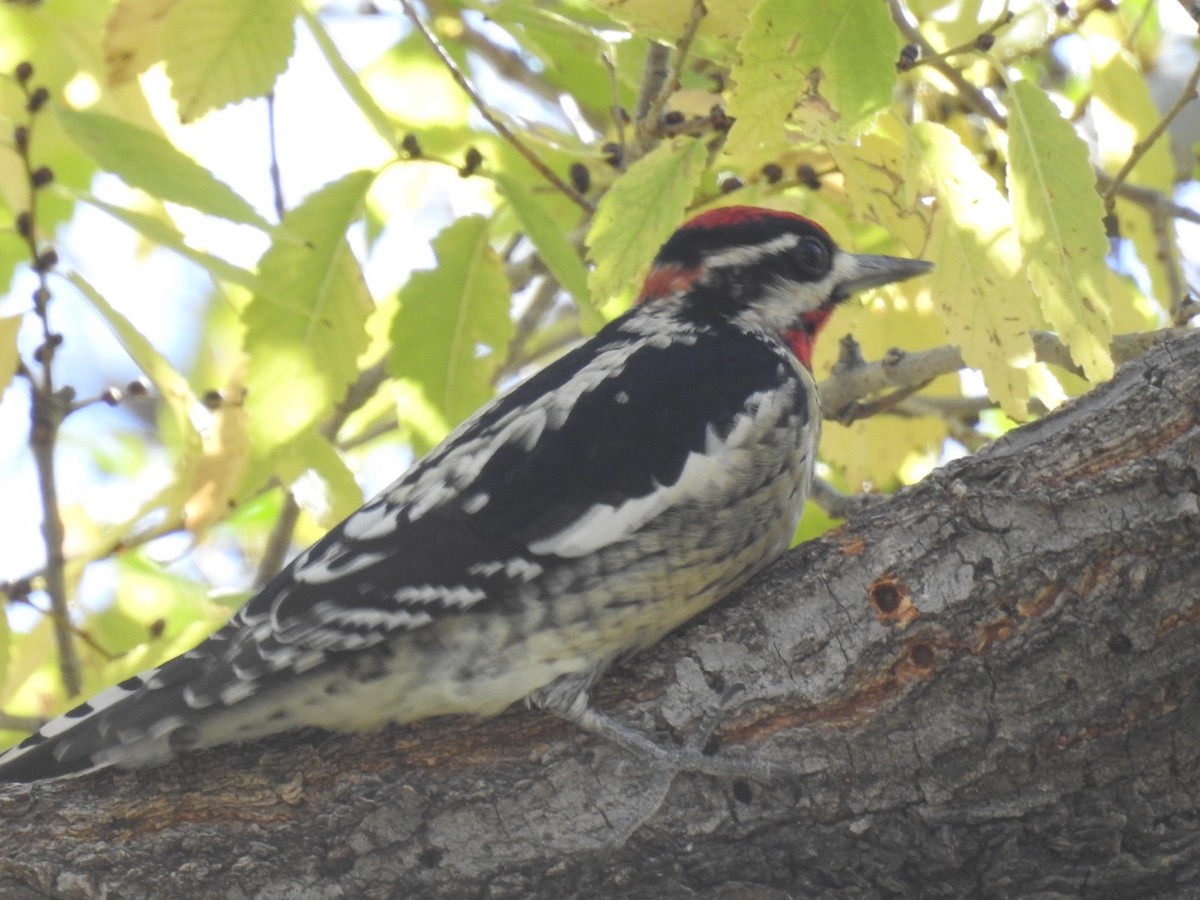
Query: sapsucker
(582,515)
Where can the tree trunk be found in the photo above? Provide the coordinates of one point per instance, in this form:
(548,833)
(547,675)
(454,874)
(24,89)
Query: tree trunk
(986,686)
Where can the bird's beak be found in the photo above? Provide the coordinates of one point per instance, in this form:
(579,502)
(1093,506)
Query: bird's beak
(859,272)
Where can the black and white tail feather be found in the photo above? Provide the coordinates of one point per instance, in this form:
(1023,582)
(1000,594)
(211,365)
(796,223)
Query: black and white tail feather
(595,507)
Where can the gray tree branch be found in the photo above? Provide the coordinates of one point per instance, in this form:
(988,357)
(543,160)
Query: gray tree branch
(987,686)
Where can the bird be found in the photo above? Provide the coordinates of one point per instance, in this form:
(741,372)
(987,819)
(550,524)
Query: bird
(576,519)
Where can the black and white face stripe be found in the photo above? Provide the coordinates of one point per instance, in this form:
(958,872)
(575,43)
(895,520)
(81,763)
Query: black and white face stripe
(767,270)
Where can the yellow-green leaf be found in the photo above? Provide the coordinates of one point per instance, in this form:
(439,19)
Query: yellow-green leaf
(639,212)
(882,184)
(1059,218)
(1124,114)
(163,233)
(454,323)
(319,478)
(987,307)
(214,475)
(305,326)
(172,386)
(222,51)
(9,326)
(133,37)
(152,163)
(824,66)
(723,20)
(549,236)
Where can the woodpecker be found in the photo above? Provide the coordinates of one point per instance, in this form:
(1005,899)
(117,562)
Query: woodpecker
(581,516)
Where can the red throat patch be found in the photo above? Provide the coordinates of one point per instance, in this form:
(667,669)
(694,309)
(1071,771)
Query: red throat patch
(802,340)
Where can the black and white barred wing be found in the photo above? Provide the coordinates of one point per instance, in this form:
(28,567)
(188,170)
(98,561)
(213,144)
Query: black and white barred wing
(584,455)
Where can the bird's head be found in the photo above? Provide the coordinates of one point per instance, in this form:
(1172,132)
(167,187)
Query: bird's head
(765,270)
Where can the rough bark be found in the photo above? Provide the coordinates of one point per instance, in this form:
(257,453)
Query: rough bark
(986,686)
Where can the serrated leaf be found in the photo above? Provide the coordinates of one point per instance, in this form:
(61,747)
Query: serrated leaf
(152,163)
(826,67)
(450,318)
(305,327)
(223,51)
(133,38)
(640,211)
(881,181)
(987,307)
(9,327)
(1059,218)
(166,235)
(549,236)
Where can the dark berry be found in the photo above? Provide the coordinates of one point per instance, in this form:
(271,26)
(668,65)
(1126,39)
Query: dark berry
(772,172)
(37,99)
(472,160)
(46,260)
(581,178)
(612,154)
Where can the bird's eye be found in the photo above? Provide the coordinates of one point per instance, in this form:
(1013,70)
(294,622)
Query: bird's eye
(813,256)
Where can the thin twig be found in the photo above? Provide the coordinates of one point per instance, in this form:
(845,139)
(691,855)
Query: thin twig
(970,94)
(971,46)
(1186,96)
(489,116)
(49,406)
(618,112)
(655,68)
(511,67)
(1152,199)
(840,505)
(276,178)
(658,103)
(539,305)
(280,539)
